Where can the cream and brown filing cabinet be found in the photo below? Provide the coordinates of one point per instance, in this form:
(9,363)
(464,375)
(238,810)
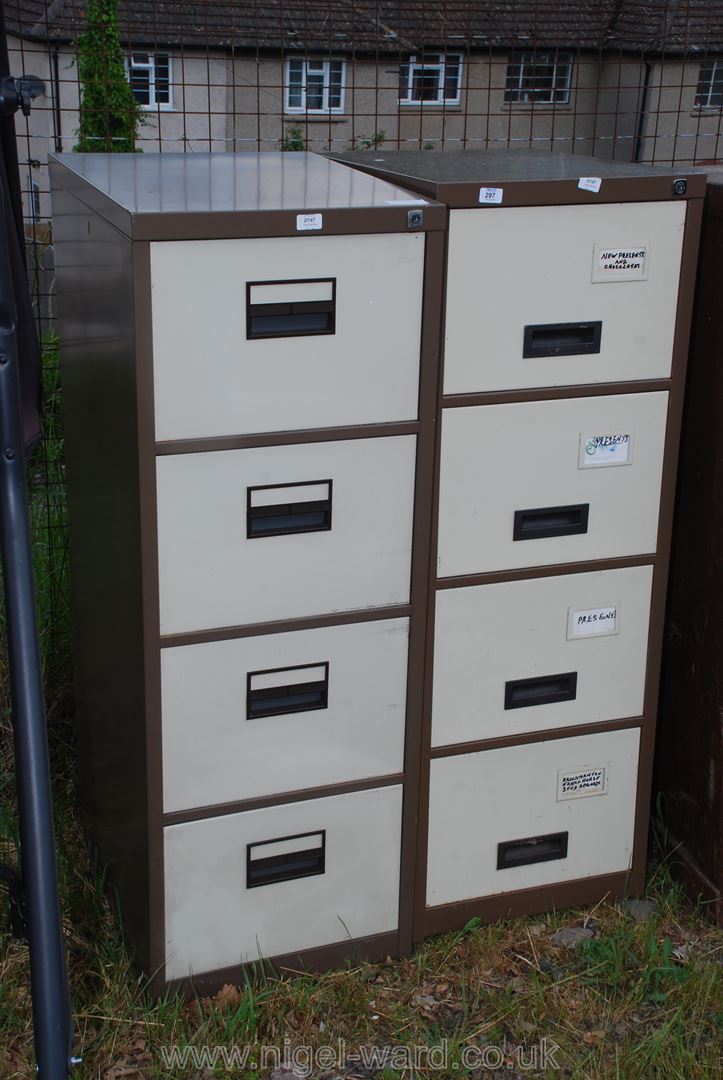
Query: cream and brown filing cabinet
(250,363)
(569,284)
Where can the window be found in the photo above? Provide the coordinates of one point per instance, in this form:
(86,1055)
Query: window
(433,79)
(314,86)
(150,78)
(709,93)
(540,78)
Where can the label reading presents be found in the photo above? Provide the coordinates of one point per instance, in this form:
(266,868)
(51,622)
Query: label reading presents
(490,196)
(304,222)
(578,783)
(592,622)
(612,448)
(620,263)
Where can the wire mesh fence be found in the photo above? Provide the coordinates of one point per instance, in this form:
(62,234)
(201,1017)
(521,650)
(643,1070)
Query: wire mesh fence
(617,79)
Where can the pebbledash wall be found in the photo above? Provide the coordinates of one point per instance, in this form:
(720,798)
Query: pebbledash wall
(624,108)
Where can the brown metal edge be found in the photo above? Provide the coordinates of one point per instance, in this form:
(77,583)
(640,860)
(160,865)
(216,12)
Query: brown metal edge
(282,798)
(524,573)
(681,343)
(542,735)
(286,438)
(425,733)
(554,393)
(249,224)
(355,951)
(434,261)
(460,196)
(567,894)
(283,626)
(151,607)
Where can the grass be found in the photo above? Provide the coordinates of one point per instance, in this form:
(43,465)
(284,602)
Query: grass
(637,1001)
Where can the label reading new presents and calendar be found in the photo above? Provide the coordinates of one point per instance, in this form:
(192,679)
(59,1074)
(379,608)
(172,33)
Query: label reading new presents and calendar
(620,262)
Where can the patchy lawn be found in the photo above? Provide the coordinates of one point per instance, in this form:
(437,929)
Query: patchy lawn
(618,998)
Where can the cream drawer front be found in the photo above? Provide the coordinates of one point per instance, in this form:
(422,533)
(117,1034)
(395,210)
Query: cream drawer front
(226,557)
(518,487)
(559,271)
(239,348)
(550,652)
(261,715)
(286,878)
(574,797)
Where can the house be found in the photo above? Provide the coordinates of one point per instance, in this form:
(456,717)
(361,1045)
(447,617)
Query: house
(614,78)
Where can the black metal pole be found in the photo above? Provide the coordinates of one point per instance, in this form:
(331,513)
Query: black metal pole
(48,977)
(39,906)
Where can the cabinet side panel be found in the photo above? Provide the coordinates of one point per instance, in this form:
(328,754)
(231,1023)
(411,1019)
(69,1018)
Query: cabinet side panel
(690,742)
(95,308)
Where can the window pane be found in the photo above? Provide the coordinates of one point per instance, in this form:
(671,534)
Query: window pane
(403,81)
(140,58)
(335,82)
(295,84)
(451,78)
(141,85)
(163,79)
(709,92)
(425,84)
(314,90)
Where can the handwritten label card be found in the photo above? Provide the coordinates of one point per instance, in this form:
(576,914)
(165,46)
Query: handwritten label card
(607,448)
(592,622)
(579,783)
(620,262)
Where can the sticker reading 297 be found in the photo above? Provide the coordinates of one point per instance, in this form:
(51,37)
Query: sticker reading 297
(490,196)
(304,222)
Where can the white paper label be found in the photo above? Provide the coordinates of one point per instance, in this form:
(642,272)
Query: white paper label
(579,783)
(610,448)
(592,622)
(590,183)
(304,222)
(622,262)
(490,196)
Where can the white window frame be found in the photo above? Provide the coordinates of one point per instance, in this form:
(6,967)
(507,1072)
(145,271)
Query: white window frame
(526,59)
(426,64)
(150,67)
(716,66)
(318,67)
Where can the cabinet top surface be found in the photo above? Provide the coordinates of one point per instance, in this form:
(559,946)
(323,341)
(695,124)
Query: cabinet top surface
(541,176)
(224,182)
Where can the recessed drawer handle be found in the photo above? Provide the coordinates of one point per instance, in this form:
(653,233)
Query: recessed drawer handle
(562,339)
(522,693)
(277,691)
(290,308)
(533,849)
(279,510)
(285,859)
(550,521)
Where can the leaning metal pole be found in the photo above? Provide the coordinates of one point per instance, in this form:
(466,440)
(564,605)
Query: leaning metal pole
(48,976)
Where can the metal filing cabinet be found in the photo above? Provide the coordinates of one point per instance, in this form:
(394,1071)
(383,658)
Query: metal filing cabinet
(250,361)
(569,284)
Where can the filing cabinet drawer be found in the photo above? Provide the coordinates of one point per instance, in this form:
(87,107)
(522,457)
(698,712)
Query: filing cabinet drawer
(556,651)
(277,532)
(556,295)
(238,347)
(531,815)
(260,715)
(542,482)
(281,879)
